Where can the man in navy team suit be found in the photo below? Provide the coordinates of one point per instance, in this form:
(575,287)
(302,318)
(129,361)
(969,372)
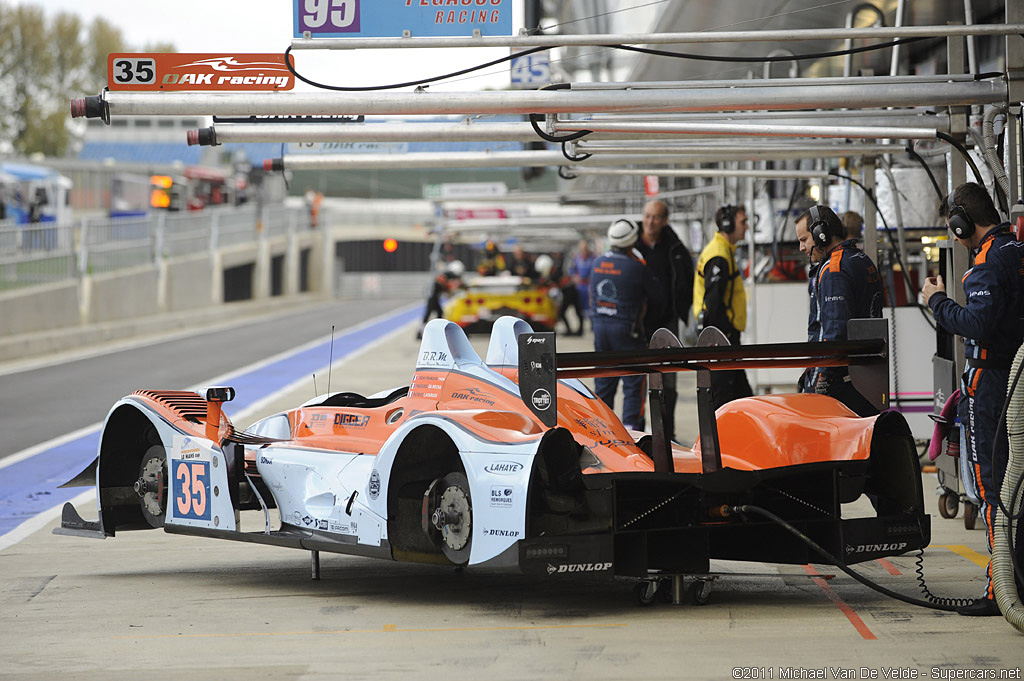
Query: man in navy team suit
(993,328)
(844,285)
(620,288)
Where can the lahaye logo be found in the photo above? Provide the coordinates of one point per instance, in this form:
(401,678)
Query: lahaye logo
(534,339)
(541,399)
(503,467)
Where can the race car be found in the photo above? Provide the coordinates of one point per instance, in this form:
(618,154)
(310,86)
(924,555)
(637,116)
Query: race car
(512,463)
(485,299)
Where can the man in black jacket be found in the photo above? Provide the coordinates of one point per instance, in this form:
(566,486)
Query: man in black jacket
(672,265)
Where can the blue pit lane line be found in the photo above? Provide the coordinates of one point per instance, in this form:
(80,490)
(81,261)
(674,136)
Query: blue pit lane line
(30,487)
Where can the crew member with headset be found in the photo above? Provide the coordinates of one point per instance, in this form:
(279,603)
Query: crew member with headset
(844,285)
(620,288)
(992,325)
(719,298)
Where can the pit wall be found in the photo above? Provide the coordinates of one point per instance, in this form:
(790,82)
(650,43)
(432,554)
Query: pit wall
(180,290)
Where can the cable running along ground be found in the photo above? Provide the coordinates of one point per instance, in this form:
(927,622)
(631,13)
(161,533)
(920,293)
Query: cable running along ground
(764,513)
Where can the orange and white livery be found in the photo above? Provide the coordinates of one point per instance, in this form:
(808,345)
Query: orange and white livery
(469,465)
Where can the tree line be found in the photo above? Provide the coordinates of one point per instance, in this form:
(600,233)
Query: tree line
(44,63)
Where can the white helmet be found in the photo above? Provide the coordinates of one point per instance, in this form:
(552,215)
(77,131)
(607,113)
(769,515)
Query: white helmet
(543,264)
(456,267)
(622,233)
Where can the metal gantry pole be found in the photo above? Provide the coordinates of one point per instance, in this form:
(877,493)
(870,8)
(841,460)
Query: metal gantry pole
(957,176)
(750,150)
(732,173)
(285,132)
(745,129)
(774,82)
(694,37)
(868,165)
(466,159)
(1015,85)
(809,96)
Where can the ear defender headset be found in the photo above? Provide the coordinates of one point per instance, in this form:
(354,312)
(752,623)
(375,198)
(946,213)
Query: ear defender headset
(960,223)
(824,225)
(728,222)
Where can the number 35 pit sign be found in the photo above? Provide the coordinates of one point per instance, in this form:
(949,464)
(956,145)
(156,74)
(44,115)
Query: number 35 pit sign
(400,18)
(174,72)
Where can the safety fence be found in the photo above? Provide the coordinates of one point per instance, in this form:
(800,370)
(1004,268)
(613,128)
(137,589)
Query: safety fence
(48,252)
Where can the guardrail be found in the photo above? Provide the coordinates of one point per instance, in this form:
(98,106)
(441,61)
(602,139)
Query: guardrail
(48,252)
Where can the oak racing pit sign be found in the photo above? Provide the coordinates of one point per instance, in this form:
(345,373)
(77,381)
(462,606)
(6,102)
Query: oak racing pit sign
(400,18)
(169,71)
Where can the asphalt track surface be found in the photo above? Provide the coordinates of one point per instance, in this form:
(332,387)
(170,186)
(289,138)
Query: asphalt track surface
(145,603)
(41,403)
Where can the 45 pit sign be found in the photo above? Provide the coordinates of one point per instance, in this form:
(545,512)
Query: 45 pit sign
(530,70)
(155,71)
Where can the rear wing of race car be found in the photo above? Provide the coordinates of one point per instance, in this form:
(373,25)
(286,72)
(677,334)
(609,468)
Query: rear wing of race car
(866,353)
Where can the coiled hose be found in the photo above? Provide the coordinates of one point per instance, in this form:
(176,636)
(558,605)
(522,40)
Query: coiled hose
(1002,550)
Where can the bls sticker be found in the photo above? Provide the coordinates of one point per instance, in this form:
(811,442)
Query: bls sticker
(374,487)
(501,497)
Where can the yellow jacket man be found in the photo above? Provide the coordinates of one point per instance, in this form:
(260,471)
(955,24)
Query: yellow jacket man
(719,298)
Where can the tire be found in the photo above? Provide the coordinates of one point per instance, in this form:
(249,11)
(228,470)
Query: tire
(949,504)
(453,518)
(699,592)
(970,515)
(646,591)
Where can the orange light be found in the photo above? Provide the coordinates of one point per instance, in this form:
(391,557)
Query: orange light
(390,245)
(159,199)
(162,181)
